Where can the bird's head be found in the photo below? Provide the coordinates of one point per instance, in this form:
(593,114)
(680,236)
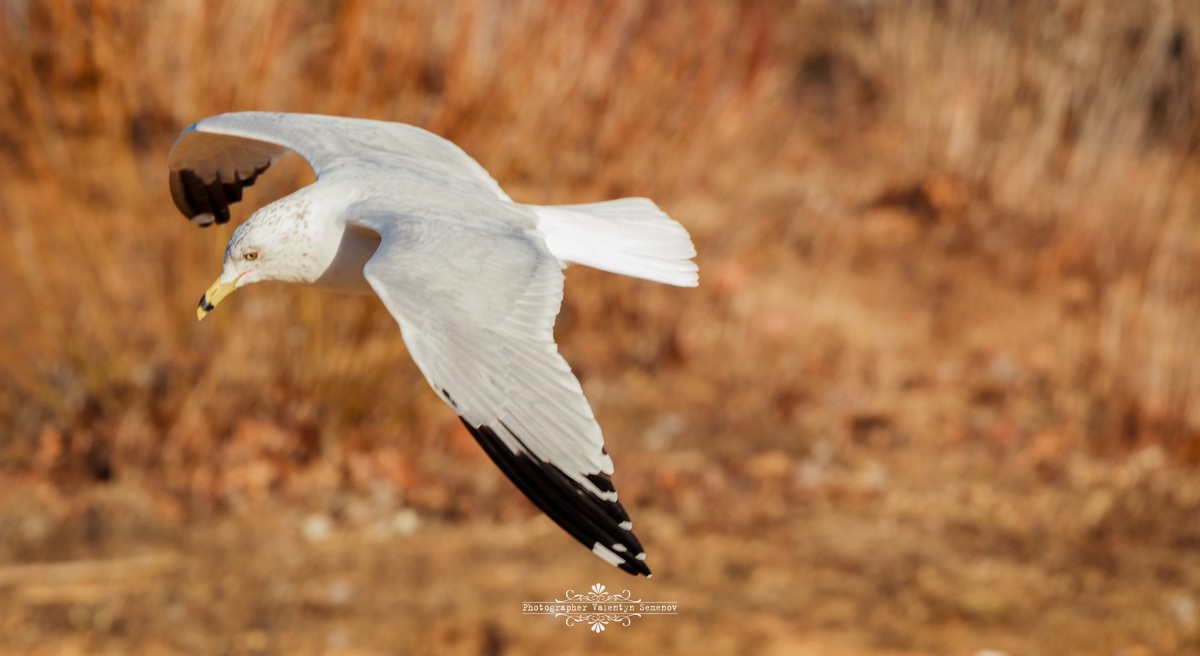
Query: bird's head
(275,243)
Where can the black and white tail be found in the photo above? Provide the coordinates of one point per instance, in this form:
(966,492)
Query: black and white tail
(629,236)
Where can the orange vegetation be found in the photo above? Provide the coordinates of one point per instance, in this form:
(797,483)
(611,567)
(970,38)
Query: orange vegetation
(938,391)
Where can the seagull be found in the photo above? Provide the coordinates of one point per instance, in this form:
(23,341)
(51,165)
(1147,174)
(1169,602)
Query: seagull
(473,279)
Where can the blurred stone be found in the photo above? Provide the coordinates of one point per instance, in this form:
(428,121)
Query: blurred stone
(1097,508)
(1183,609)
(810,474)
(35,528)
(316,528)
(406,522)
(665,430)
(1003,369)
(340,593)
(1146,461)
(338,639)
(873,477)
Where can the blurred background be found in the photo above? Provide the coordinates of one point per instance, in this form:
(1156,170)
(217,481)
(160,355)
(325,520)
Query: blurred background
(938,391)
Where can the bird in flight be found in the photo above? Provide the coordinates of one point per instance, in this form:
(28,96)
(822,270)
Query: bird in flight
(473,279)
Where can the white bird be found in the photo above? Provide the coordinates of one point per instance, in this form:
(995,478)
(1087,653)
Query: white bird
(473,279)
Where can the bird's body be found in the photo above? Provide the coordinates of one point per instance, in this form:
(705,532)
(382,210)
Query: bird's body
(473,279)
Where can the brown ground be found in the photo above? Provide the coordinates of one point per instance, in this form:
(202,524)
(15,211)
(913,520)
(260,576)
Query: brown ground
(937,393)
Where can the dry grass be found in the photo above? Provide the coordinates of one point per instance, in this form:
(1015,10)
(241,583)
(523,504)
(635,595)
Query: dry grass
(927,230)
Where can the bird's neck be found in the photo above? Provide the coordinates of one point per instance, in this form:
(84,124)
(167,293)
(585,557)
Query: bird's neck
(345,270)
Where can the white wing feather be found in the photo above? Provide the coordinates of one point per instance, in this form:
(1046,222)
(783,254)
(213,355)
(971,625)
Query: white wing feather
(477,312)
(477,307)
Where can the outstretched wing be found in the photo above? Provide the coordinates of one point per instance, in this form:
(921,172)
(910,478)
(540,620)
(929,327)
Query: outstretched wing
(215,159)
(476,305)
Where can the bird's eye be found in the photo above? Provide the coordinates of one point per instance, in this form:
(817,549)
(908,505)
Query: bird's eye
(251,256)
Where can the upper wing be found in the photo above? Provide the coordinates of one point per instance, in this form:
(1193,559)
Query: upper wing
(214,159)
(476,306)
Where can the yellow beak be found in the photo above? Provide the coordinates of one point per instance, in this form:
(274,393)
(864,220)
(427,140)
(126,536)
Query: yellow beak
(213,296)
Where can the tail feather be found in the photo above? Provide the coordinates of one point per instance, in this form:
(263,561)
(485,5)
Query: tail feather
(629,236)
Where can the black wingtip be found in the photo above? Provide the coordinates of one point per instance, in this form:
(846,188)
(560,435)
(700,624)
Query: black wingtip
(195,198)
(600,525)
